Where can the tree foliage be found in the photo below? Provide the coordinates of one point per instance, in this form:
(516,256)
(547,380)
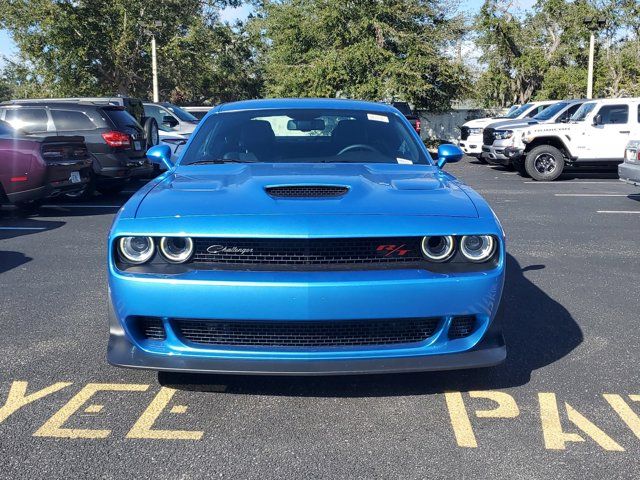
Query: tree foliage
(102,47)
(368,49)
(543,54)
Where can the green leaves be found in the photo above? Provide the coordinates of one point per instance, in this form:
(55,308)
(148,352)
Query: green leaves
(544,54)
(360,49)
(102,47)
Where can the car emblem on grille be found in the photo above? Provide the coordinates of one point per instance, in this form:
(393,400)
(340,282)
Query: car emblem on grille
(216,249)
(392,250)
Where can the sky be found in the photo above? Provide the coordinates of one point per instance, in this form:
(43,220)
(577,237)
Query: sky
(8,48)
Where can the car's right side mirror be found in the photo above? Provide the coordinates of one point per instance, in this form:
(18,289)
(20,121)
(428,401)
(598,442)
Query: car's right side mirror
(160,155)
(597,120)
(449,153)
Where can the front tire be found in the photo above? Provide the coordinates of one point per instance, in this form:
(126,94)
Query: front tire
(544,163)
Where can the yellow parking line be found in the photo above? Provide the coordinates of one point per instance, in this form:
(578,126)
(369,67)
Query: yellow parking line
(143,427)
(54,426)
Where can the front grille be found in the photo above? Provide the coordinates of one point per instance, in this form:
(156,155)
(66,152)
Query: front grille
(150,328)
(306,333)
(487,136)
(462,326)
(464,133)
(305,252)
(306,191)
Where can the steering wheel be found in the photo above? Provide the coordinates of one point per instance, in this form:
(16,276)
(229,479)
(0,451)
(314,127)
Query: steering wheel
(357,146)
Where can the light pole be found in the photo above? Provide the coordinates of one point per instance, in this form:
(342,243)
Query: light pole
(154,63)
(593,24)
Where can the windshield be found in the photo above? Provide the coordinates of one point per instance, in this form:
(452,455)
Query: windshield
(550,112)
(180,113)
(305,136)
(518,111)
(582,112)
(512,108)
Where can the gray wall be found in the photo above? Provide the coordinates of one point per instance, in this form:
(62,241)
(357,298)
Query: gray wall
(445,126)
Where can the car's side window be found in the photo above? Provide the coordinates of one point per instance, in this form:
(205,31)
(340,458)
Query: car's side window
(158,113)
(69,120)
(28,119)
(639,113)
(568,113)
(614,114)
(536,111)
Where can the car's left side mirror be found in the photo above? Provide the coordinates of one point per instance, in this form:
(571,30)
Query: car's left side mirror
(160,155)
(169,121)
(449,153)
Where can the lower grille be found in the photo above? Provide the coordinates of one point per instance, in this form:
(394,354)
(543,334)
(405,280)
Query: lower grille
(150,328)
(462,326)
(306,334)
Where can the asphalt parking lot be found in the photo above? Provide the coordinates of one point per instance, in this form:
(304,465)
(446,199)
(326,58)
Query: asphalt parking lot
(566,404)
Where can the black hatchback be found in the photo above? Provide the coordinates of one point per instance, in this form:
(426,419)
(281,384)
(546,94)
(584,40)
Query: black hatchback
(114,138)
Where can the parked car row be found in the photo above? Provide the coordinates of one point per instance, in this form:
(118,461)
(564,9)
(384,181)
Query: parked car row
(78,146)
(563,133)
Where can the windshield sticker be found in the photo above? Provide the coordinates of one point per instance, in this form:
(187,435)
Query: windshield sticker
(378,118)
(404,161)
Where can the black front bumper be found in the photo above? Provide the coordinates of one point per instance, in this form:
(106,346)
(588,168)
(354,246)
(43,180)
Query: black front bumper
(489,352)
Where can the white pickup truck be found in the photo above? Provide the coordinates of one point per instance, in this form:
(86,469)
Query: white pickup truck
(471,132)
(596,135)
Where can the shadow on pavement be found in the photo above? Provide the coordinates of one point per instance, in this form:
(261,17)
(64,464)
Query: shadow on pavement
(12,227)
(538,331)
(10,260)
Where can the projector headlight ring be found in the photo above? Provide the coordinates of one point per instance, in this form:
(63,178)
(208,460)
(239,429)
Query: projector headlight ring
(176,249)
(477,248)
(438,248)
(136,250)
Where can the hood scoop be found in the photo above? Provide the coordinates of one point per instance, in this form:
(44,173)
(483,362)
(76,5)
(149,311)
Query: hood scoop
(306,191)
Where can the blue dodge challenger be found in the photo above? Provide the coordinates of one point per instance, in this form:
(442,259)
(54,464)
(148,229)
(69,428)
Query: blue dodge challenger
(305,237)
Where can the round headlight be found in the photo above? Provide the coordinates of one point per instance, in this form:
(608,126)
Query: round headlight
(438,248)
(477,248)
(136,250)
(176,249)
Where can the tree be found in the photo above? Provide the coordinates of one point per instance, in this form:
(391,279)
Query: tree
(213,64)
(543,52)
(393,49)
(102,47)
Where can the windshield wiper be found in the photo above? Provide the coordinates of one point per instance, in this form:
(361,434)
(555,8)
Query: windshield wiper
(218,161)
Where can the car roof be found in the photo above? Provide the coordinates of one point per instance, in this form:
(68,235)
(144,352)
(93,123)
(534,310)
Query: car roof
(544,102)
(57,103)
(300,103)
(614,100)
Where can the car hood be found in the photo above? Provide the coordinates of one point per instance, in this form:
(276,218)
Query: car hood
(481,122)
(504,124)
(233,189)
